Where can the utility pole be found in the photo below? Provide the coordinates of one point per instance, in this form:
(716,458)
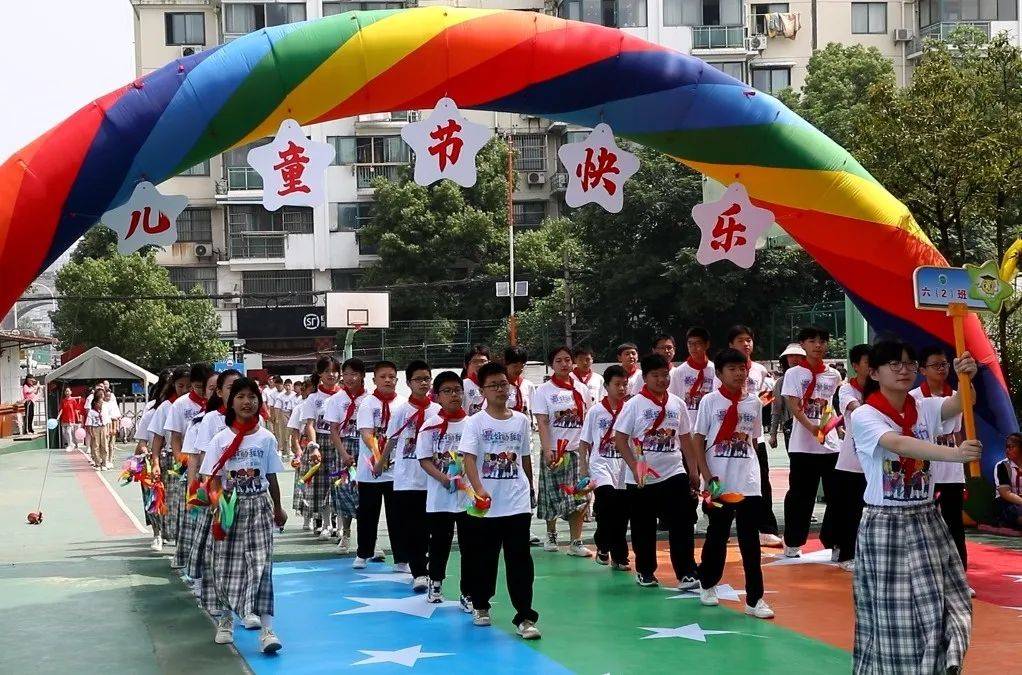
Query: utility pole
(512,319)
(569,314)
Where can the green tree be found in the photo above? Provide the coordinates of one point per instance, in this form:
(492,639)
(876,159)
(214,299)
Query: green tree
(97,242)
(152,333)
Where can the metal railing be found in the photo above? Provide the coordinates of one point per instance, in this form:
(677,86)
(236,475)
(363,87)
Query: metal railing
(941,31)
(365,174)
(718,37)
(257,245)
(243,178)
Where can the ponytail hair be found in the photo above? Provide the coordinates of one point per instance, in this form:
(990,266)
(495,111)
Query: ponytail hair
(884,351)
(215,401)
(181,372)
(242,384)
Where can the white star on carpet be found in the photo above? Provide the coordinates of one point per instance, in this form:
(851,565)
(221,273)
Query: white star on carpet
(692,631)
(724,592)
(413,605)
(290,569)
(403,657)
(1016,577)
(372,577)
(814,558)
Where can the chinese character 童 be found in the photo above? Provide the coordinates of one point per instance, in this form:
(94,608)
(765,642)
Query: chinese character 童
(592,173)
(448,147)
(162,223)
(291,168)
(728,227)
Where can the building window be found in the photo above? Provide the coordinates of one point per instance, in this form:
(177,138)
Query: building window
(255,218)
(344,280)
(530,152)
(735,69)
(200,169)
(366,247)
(353,216)
(187,278)
(381,150)
(185,28)
(241,176)
(683,12)
(529,214)
(618,13)
(277,281)
(771,80)
(869,18)
(344,149)
(576,136)
(630,13)
(242,18)
(760,12)
(195,225)
(332,8)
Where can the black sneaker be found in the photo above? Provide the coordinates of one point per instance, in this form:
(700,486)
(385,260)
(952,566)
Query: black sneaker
(602,558)
(646,580)
(535,541)
(466,604)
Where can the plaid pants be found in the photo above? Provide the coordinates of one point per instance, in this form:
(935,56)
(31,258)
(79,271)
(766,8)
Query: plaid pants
(185,532)
(242,564)
(175,497)
(345,495)
(553,502)
(317,500)
(201,546)
(912,608)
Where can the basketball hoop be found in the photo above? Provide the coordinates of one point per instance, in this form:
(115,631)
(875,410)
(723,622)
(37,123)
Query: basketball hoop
(356,327)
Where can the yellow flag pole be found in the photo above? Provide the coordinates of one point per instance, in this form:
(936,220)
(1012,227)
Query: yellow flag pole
(958,311)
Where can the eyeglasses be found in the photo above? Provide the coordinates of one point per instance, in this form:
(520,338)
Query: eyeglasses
(450,391)
(898,366)
(497,386)
(425,378)
(940,365)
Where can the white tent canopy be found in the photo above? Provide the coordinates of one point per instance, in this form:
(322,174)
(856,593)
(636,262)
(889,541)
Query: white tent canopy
(99,364)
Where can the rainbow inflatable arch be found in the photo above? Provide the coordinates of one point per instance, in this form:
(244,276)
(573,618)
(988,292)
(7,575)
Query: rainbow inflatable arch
(58,186)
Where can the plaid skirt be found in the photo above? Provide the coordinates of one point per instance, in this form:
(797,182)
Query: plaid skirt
(151,519)
(912,607)
(553,502)
(201,545)
(241,566)
(298,495)
(345,496)
(186,521)
(318,500)
(175,495)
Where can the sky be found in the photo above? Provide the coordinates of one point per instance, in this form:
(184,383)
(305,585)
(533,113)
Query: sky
(59,55)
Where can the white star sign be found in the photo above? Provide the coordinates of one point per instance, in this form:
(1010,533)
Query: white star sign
(293,168)
(403,657)
(692,631)
(147,218)
(446,145)
(1016,577)
(724,592)
(730,227)
(822,557)
(597,170)
(413,605)
(372,577)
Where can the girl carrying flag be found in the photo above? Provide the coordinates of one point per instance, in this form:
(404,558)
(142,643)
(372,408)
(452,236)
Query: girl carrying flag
(144,437)
(341,412)
(243,459)
(912,607)
(160,455)
(318,503)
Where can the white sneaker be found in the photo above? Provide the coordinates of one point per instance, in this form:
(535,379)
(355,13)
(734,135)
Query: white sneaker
(420,584)
(577,549)
(792,552)
(435,594)
(157,545)
(344,545)
(171,543)
(551,543)
(847,565)
(379,556)
(688,583)
(835,554)
(528,631)
(972,592)
(770,540)
(480,617)
(358,563)
(760,611)
(401,568)
(269,643)
(251,622)
(324,534)
(307,524)
(708,596)
(224,630)
(466,604)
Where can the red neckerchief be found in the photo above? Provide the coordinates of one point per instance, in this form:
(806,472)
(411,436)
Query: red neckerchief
(197,400)
(385,399)
(474,377)
(351,405)
(418,418)
(927,393)
(580,403)
(663,408)
(699,367)
(855,385)
(631,371)
(446,417)
(222,410)
(240,429)
(730,422)
(173,396)
(613,418)
(815,370)
(584,379)
(906,419)
(519,403)
(330,392)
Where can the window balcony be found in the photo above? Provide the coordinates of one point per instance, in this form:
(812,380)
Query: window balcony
(941,31)
(718,37)
(243,178)
(257,245)
(365,174)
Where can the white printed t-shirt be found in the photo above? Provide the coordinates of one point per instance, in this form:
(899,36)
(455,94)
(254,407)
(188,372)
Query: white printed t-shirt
(408,474)
(683,379)
(474,399)
(246,472)
(847,460)
(335,411)
(430,445)
(950,432)
(563,417)
(499,446)
(594,382)
(527,389)
(370,416)
(661,447)
(606,466)
(733,460)
(796,380)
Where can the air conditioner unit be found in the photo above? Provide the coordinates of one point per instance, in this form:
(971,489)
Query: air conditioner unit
(527,117)
(902,35)
(756,43)
(188,51)
(535,178)
(202,251)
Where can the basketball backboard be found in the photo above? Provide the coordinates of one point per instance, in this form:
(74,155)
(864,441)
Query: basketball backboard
(357,310)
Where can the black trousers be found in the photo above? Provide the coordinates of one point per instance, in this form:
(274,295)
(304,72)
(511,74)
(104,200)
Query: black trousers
(672,502)
(410,529)
(440,531)
(805,473)
(611,511)
(767,519)
(952,501)
(487,536)
(371,497)
(847,508)
(711,567)
(29,417)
